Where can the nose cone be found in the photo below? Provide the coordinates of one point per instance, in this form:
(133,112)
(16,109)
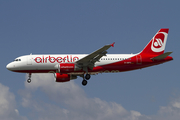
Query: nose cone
(10,66)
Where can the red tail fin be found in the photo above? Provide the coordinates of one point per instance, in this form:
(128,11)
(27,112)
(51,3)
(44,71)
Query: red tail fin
(157,44)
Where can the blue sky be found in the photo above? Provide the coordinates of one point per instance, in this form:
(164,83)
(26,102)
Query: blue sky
(60,27)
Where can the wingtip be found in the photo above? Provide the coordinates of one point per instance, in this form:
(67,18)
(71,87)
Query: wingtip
(112,44)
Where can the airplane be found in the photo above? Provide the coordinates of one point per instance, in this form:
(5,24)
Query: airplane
(67,67)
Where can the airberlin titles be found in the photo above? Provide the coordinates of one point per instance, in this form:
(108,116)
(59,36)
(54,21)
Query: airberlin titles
(59,59)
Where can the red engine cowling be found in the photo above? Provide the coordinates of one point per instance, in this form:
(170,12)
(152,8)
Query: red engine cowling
(67,67)
(64,77)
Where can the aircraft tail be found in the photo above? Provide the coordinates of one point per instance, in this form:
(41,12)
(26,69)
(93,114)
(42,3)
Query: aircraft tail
(157,44)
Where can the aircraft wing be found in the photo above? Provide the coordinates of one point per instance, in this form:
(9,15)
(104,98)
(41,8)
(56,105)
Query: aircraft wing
(89,60)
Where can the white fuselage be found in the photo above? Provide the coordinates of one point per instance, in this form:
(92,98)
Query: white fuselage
(49,62)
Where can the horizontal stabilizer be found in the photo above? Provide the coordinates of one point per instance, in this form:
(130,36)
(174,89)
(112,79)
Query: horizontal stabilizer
(162,56)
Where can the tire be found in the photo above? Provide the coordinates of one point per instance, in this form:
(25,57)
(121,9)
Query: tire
(29,80)
(84,82)
(87,76)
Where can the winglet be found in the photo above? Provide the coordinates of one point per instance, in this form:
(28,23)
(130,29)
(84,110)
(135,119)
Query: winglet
(112,44)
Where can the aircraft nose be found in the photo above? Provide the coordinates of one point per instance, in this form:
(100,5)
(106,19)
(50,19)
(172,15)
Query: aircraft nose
(9,66)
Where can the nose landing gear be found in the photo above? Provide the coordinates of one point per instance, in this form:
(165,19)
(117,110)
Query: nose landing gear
(29,79)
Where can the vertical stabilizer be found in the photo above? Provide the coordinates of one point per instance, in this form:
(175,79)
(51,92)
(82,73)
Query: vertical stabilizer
(157,44)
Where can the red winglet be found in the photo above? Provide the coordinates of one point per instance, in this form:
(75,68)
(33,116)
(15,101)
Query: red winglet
(112,44)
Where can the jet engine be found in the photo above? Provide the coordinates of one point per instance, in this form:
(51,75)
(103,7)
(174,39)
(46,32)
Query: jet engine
(64,77)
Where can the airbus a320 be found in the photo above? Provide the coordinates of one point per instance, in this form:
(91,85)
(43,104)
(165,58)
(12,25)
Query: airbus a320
(67,67)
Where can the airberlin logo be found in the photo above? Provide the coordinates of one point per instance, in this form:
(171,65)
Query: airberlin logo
(159,42)
(50,59)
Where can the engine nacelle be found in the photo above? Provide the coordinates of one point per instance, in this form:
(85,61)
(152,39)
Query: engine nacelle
(64,77)
(67,67)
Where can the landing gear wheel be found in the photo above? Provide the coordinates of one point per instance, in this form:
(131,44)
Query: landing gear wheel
(88,76)
(84,82)
(28,80)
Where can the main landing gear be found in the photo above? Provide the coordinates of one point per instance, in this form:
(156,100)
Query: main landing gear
(29,79)
(85,78)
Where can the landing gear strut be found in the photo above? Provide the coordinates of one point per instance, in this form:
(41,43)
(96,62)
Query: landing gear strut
(85,78)
(29,79)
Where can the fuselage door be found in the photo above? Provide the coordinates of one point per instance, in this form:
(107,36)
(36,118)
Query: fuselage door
(138,59)
(29,59)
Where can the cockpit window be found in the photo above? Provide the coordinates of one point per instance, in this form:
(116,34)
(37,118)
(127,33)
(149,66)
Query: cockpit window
(17,60)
